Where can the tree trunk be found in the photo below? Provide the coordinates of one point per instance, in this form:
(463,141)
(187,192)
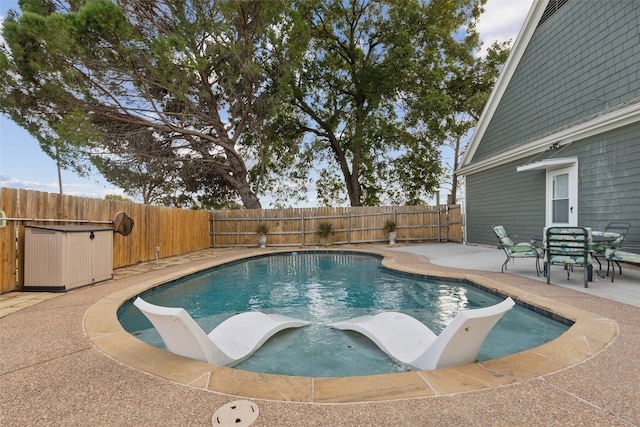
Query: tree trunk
(238,179)
(248,197)
(354,186)
(58,167)
(454,189)
(354,189)
(454,177)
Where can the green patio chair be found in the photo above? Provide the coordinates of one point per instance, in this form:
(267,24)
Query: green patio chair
(615,255)
(519,250)
(617,232)
(569,247)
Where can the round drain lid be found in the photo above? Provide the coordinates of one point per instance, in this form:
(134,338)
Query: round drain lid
(238,413)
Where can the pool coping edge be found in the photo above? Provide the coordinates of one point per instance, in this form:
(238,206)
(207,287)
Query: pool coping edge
(589,335)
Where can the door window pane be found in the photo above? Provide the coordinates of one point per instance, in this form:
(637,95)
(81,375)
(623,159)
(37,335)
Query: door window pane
(561,211)
(561,198)
(561,186)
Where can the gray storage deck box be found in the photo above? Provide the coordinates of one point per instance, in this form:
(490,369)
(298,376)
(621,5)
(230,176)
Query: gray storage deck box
(67,256)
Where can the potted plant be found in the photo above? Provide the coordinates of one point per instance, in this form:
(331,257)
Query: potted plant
(390,228)
(262,230)
(325,229)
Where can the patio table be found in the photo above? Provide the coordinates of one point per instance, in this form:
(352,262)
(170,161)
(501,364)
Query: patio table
(539,238)
(598,239)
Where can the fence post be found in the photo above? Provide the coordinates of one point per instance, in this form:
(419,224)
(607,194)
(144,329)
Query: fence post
(349,228)
(439,224)
(302,227)
(213,232)
(447,224)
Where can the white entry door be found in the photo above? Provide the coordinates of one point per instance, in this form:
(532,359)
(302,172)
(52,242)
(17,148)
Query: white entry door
(562,196)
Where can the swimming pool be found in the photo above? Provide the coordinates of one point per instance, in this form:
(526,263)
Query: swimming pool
(323,288)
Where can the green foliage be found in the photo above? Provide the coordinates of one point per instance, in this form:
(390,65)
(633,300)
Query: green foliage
(117,198)
(262,229)
(198,74)
(325,229)
(468,88)
(390,226)
(204,104)
(369,97)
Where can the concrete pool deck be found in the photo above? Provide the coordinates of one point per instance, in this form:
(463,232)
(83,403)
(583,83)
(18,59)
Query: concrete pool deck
(53,372)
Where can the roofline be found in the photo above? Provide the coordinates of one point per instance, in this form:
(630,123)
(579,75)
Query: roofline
(510,66)
(583,129)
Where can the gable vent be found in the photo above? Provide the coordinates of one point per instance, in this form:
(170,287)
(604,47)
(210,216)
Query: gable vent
(551,8)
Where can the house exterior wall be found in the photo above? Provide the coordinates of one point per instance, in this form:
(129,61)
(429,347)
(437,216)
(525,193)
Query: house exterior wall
(502,196)
(580,61)
(609,186)
(608,190)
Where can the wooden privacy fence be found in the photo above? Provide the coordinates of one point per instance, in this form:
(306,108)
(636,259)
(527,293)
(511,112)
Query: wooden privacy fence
(299,226)
(172,231)
(176,231)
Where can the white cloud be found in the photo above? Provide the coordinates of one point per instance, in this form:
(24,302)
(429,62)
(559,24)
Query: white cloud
(90,190)
(502,20)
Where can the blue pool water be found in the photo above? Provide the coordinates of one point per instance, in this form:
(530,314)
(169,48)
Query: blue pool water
(323,288)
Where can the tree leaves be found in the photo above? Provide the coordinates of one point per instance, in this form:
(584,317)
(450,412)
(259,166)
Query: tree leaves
(245,98)
(197,73)
(372,93)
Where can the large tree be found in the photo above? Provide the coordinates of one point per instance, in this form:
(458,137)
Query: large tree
(196,73)
(371,96)
(469,89)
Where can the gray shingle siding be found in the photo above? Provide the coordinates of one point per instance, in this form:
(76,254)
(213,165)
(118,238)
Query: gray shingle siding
(609,173)
(582,60)
(608,187)
(502,196)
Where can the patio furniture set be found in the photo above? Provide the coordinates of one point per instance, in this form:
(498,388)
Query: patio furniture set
(569,247)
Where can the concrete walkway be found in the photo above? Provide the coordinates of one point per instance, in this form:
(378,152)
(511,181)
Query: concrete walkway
(51,374)
(625,288)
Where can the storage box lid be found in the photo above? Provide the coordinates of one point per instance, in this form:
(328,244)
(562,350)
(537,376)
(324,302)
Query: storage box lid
(71,228)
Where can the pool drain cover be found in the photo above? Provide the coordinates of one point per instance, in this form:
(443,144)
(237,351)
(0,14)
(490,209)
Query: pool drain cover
(237,413)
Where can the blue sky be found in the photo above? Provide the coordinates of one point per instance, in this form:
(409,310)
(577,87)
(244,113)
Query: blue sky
(24,165)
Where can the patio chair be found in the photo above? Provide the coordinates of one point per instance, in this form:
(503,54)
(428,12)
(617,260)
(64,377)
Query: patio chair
(514,251)
(616,255)
(569,247)
(229,343)
(408,341)
(614,233)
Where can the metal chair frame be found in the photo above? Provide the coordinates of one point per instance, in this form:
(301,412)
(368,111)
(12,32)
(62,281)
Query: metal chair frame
(568,244)
(510,250)
(621,228)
